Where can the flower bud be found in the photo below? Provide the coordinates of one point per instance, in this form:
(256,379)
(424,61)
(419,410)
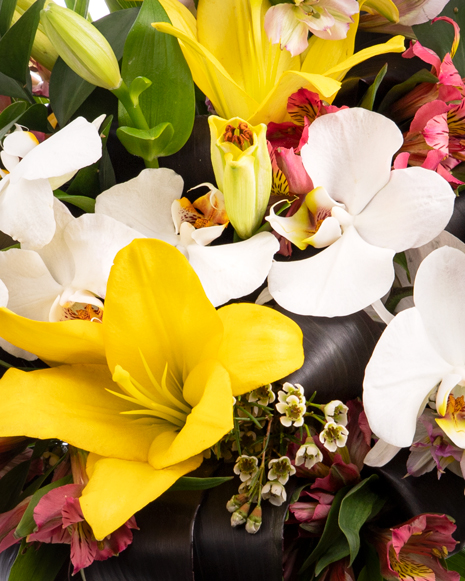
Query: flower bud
(242,169)
(83,48)
(239,516)
(236,502)
(254,522)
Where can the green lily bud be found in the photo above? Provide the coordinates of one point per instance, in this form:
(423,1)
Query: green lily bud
(242,169)
(83,48)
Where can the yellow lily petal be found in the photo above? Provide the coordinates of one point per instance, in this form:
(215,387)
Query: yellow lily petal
(228,98)
(180,17)
(260,345)
(169,321)
(394,44)
(71,403)
(274,106)
(208,389)
(117,489)
(55,343)
(386,8)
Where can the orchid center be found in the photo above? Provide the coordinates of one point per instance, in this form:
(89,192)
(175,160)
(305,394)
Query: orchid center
(159,401)
(82,312)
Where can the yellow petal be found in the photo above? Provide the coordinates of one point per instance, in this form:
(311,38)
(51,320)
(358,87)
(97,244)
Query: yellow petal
(156,306)
(180,17)
(228,98)
(55,343)
(260,346)
(71,403)
(386,8)
(274,106)
(208,389)
(117,489)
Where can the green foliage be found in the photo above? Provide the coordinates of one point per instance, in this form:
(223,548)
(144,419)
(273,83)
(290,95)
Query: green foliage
(39,563)
(146,143)
(191,483)
(402,89)
(457,563)
(369,98)
(7,9)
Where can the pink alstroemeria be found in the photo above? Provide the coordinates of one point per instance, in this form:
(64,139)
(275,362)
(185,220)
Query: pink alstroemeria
(338,571)
(59,519)
(311,510)
(290,24)
(8,523)
(414,550)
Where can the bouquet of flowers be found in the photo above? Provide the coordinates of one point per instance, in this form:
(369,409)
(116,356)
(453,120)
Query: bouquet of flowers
(232,274)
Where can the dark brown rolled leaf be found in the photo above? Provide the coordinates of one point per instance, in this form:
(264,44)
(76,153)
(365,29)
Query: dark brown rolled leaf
(337,351)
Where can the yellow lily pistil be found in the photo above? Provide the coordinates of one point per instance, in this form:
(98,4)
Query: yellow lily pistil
(149,390)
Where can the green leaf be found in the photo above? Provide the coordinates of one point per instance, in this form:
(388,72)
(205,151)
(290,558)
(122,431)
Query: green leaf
(7,9)
(146,143)
(158,57)
(138,86)
(38,563)
(401,259)
(11,88)
(16,44)
(12,484)
(35,118)
(357,507)
(371,571)
(79,6)
(402,89)
(10,115)
(82,202)
(106,174)
(457,563)
(191,483)
(27,523)
(332,542)
(369,98)
(67,90)
(440,35)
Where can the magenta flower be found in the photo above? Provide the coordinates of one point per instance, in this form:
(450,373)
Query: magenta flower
(414,550)
(8,523)
(59,519)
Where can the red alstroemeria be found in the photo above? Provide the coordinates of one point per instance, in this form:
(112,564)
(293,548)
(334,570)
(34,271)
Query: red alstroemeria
(8,523)
(414,550)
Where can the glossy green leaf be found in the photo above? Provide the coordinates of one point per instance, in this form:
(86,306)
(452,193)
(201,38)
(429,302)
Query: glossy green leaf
(138,86)
(39,563)
(191,483)
(369,98)
(157,56)
(12,484)
(440,35)
(7,9)
(16,44)
(147,143)
(67,90)
(371,571)
(35,118)
(457,563)
(332,545)
(402,89)
(11,88)
(27,523)
(79,6)
(10,115)
(357,507)
(82,202)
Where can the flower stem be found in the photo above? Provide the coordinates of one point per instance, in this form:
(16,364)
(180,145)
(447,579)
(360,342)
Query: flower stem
(134,111)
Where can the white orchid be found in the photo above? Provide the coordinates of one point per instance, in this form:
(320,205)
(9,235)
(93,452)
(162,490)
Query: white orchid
(67,278)
(35,170)
(421,350)
(378,212)
(226,271)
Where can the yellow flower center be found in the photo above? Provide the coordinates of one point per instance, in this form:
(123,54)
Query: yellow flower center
(79,311)
(241,136)
(409,569)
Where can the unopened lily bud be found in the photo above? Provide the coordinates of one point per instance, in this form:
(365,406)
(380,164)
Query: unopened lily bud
(242,167)
(83,48)
(239,516)
(236,502)
(254,522)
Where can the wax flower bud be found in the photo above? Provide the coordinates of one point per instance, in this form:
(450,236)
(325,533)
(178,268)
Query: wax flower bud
(242,169)
(83,48)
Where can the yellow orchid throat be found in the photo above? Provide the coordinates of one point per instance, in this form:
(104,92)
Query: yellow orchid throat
(242,73)
(149,389)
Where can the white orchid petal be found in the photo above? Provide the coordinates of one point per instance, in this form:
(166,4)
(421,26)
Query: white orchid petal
(327,233)
(444,389)
(204,236)
(31,287)
(75,146)
(414,206)
(144,203)
(294,228)
(319,198)
(9,161)
(94,240)
(16,351)
(231,271)
(26,212)
(19,143)
(349,153)
(438,296)
(342,279)
(401,373)
(381,454)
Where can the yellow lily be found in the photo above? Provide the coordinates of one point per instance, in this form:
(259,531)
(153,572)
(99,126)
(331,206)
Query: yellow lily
(242,73)
(159,389)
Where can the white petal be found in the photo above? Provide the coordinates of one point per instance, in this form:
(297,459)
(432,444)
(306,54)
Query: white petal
(26,212)
(342,279)
(204,236)
(9,161)
(349,153)
(426,10)
(235,270)
(16,351)
(144,203)
(439,297)
(31,287)
(402,371)
(327,233)
(75,146)
(56,254)
(381,454)
(414,207)
(94,240)
(20,143)
(444,389)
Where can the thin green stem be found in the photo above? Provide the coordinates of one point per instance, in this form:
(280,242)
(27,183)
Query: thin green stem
(134,111)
